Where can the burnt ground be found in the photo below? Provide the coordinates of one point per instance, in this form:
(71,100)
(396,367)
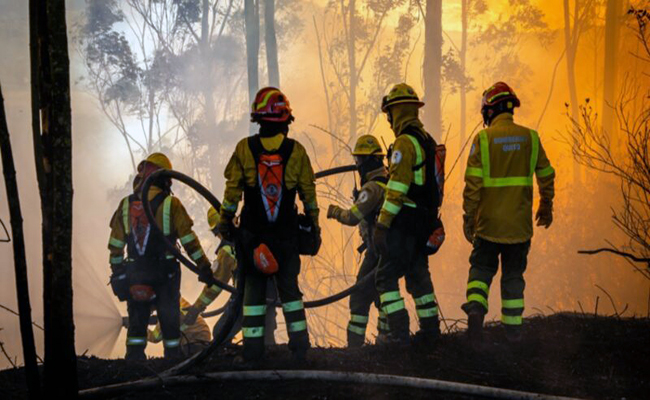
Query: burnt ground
(565,354)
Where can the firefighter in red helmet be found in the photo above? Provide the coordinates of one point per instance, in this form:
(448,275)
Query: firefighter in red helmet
(269,169)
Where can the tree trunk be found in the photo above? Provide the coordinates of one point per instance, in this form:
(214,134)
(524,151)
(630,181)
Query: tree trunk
(271,43)
(20,263)
(352,61)
(433,68)
(252,21)
(60,372)
(612,29)
(463,67)
(208,97)
(571,46)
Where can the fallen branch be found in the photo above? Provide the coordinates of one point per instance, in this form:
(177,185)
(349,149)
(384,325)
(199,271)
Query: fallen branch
(317,376)
(617,252)
(18,315)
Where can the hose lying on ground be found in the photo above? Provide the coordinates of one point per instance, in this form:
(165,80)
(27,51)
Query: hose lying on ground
(320,376)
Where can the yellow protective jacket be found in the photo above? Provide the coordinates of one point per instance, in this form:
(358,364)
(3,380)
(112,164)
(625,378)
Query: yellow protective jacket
(241,171)
(222,270)
(499,181)
(198,332)
(170,216)
(407,153)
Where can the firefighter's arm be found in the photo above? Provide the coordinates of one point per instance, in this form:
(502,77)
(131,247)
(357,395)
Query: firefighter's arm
(473,180)
(545,176)
(183,227)
(401,176)
(222,268)
(369,199)
(117,239)
(307,184)
(234,174)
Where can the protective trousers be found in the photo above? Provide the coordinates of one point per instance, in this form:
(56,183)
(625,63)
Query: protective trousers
(406,257)
(484,262)
(166,303)
(361,300)
(285,251)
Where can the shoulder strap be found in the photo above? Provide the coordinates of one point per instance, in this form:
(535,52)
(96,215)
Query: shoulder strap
(255,145)
(286,148)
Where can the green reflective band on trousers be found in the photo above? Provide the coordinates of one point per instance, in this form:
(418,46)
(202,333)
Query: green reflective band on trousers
(136,341)
(545,172)
(515,303)
(171,343)
(125,215)
(393,307)
(197,254)
(427,312)
(116,243)
(479,285)
(398,187)
(383,326)
(293,306)
(167,207)
(254,332)
(511,320)
(391,208)
(359,319)
(427,298)
(357,329)
(117,260)
(418,174)
(297,326)
(488,181)
(479,299)
(390,296)
(188,238)
(254,311)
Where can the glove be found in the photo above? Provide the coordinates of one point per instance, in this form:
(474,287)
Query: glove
(205,274)
(225,228)
(469,228)
(380,237)
(544,216)
(192,313)
(333,212)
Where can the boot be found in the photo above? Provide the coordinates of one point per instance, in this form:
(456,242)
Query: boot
(383,337)
(135,353)
(429,331)
(399,328)
(355,340)
(513,334)
(475,327)
(173,353)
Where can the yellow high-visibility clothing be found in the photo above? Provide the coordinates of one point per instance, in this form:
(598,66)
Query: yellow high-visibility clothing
(198,332)
(241,171)
(499,181)
(222,269)
(368,201)
(170,216)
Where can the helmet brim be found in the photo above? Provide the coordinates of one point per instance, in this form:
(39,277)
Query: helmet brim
(386,107)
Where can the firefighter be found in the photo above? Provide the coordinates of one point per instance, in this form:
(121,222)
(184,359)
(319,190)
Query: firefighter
(152,274)
(195,333)
(407,219)
(497,204)
(369,158)
(269,169)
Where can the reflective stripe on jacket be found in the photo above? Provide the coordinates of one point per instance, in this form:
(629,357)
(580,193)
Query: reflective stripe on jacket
(499,180)
(222,269)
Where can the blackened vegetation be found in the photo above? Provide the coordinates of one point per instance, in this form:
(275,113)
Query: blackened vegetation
(566,354)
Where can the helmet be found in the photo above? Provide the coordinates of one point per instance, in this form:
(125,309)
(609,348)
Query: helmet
(213,218)
(271,105)
(264,260)
(159,160)
(499,93)
(400,94)
(367,145)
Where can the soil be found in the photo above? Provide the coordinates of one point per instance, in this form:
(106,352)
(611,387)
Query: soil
(566,354)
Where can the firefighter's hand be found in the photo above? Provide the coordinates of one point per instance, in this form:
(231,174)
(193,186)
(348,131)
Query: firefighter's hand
(205,274)
(544,215)
(469,228)
(191,314)
(225,228)
(380,237)
(333,211)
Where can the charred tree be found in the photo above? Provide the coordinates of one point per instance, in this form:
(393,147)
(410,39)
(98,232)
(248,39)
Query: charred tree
(612,28)
(463,66)
(20,263)
(271,43)
(53,151)
(433,68)
(252,21)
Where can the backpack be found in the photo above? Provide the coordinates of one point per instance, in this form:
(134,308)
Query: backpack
(139,229)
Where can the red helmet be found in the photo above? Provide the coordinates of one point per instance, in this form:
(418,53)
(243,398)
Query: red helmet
(271,105)
(498,93)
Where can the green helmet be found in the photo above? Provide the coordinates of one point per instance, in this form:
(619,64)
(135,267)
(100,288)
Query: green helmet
(399,94)
(367,145)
